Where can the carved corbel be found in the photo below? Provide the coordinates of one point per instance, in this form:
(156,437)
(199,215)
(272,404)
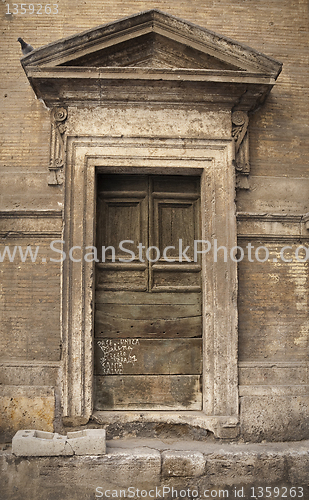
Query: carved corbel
(306,221)
(57,146)
(240,122)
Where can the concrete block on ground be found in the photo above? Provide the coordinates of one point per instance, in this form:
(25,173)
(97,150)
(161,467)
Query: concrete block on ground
(88,442)
(182,463)
(31,443)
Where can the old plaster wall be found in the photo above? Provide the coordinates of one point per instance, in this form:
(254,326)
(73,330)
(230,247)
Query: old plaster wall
(273,298)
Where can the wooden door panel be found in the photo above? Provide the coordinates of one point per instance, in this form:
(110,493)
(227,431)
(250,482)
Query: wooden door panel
(148,315)
(175,184)
(124,183)
(118,277)
(146,298)
(123,220)
(174,222)
(175,280)
(107,326)
(145,311)
(152,392)
(148,357)
(122,216)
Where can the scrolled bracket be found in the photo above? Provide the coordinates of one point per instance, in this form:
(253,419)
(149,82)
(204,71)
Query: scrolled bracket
(57,146)
(240,122)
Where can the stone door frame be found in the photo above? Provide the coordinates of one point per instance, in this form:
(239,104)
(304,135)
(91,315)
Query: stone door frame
(212,159)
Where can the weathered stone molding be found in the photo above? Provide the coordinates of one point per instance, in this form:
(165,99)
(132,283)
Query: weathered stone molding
(31,223)
(222,427)
(274,390)
(30,234)
(234,54)
(272,226)
(5,214)
(57,146)
(263,377)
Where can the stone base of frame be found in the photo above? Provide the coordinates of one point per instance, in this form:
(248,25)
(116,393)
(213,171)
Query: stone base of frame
(225,427)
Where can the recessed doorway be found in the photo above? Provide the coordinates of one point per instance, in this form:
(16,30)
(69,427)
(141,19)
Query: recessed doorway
(148,299)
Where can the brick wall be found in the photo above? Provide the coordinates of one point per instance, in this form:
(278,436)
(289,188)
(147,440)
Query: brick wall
(30,305)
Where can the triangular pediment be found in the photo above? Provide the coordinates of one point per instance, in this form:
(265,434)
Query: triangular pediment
(152,56)
(152,39)
(150,50)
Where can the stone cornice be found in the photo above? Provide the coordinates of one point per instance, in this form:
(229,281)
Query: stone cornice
(127,73)
(184,32)
(145,87)
(80,68)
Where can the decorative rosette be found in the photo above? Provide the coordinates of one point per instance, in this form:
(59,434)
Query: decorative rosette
(60,114)
(239,118)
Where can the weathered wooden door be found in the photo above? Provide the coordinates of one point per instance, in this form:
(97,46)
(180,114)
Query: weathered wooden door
(148,323)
